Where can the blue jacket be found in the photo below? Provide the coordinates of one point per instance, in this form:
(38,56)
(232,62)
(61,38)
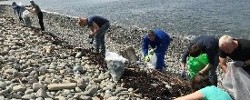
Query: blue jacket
(161,43)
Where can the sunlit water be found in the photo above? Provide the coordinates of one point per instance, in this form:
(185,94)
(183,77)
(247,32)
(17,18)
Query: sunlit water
(187,17)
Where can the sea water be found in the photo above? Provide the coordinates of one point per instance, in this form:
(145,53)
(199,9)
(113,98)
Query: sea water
(187,17)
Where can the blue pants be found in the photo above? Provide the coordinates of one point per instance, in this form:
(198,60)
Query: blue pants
(99,38)
(160,61)
(160,64)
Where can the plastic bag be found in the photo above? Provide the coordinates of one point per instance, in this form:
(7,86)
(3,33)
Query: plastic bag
(115,64)
(152,61)
(26,18)
(236,81)
(196,64)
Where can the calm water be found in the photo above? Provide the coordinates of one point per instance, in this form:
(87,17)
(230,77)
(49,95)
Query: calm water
(189,17)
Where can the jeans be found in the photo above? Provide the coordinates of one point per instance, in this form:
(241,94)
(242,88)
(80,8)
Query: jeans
(99,38)
(212,71)
(40,18)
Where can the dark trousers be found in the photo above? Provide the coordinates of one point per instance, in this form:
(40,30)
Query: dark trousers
(40,18)
(100,36)
(212,72)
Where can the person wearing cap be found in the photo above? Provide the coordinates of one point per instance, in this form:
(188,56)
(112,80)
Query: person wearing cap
(18,10)
(36,9)
(159,41)
(98,26)
(208,45)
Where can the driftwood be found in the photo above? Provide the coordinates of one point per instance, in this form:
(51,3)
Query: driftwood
(61,86)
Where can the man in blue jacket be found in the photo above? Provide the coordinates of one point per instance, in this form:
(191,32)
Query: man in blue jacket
(159,41)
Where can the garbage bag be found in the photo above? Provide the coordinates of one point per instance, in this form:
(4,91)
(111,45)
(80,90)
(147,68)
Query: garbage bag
(115,64)
(26,18)
(196,64)
(152,61)
(236,81)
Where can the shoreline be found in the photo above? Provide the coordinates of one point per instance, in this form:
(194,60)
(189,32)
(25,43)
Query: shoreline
(65,27)
(34,63)
(117,38)
(23,46)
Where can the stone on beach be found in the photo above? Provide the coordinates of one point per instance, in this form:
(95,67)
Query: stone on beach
(61,86)
(40,65)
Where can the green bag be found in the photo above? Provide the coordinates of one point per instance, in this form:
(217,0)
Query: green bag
(195,64)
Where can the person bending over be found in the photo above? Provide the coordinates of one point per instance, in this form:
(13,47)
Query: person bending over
(98,26)
(159,41)
(236,49)
(204,44)
(18,10)
(36,9)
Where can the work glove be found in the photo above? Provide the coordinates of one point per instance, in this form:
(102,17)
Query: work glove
(90,40)
(183,74)
(151,52)
(240,64)
(146,58)
(91,35)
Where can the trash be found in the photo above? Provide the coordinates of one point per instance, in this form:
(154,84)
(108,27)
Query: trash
(236,81)
(152,61)
(196,64)
(26,18)
(115,64)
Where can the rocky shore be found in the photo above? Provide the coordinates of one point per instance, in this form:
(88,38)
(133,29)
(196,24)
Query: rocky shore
(117,38)
(58,64)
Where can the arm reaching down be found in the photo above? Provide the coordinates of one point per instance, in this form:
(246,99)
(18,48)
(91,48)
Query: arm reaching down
(223,64)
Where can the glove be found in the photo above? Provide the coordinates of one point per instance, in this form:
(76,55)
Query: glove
(240,64)
(91,36)
(146,58)
(90,40)
(183,74)
(151,52)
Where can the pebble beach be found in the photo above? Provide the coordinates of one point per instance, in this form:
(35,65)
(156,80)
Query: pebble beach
(50,65)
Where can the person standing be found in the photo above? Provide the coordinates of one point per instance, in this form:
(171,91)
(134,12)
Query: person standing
(159,41)
(98,26)
(236,49)
(204,44)
(36,9)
